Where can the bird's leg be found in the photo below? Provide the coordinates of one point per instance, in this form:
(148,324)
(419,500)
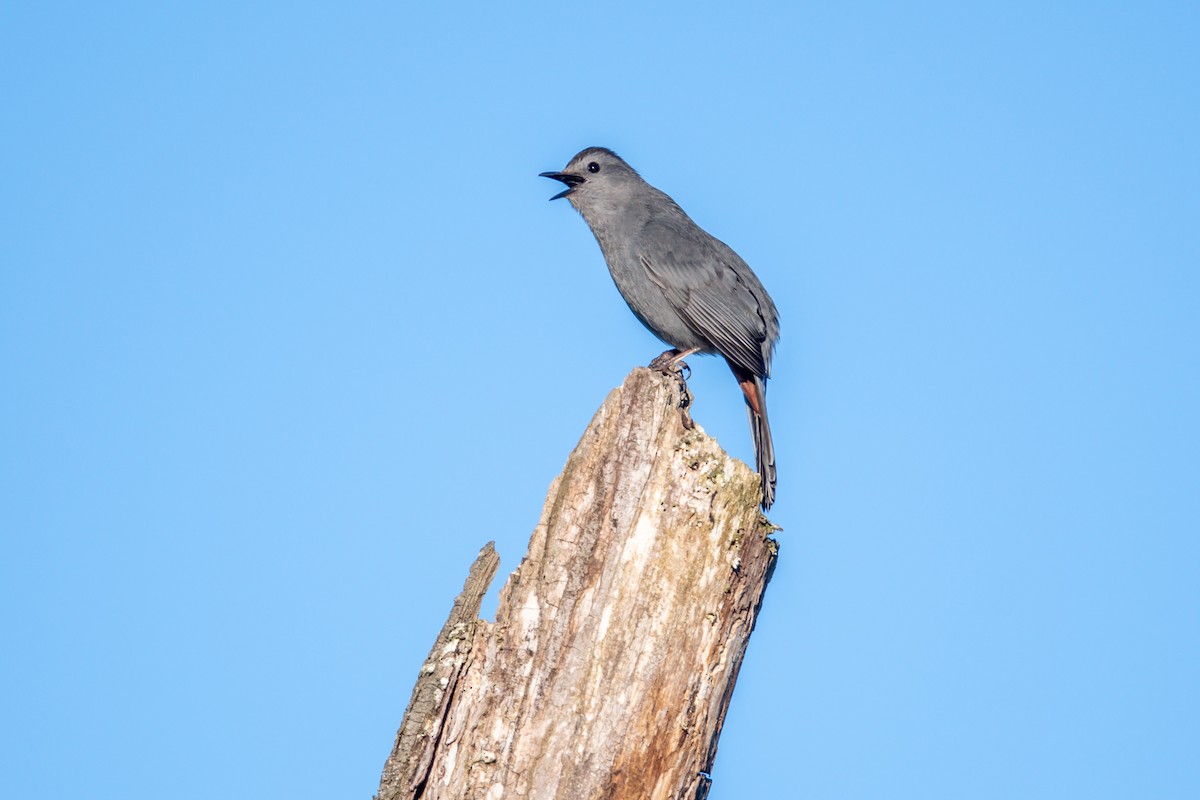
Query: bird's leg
(665,361)
(672,363)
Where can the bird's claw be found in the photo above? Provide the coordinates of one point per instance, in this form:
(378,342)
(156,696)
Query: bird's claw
(671,363)
(665,361)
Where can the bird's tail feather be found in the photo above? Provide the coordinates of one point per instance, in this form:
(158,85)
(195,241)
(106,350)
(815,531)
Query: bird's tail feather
(755,389)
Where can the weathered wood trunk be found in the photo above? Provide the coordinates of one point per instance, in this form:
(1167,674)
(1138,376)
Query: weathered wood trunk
(618,639)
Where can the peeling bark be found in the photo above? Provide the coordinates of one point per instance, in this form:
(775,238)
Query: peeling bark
(618,639)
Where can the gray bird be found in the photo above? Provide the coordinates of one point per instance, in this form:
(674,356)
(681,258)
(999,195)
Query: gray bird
(690,289)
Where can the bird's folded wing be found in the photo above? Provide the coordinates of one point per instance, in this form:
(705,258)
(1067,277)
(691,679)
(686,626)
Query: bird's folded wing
(712,289)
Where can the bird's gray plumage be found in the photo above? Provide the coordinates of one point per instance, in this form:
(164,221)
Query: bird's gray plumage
(689,288)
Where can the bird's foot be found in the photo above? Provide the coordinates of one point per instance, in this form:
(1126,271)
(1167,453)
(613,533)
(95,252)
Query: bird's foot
(671,363)
(668,362)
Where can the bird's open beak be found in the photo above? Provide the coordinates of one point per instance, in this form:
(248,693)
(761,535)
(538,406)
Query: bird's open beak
(570,180)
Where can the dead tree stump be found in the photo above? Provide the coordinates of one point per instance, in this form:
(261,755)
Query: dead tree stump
(618,639)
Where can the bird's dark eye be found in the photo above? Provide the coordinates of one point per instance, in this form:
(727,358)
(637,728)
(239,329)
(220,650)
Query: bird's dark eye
(593,167)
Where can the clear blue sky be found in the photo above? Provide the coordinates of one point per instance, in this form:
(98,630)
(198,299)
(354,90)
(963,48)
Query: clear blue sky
(288,331)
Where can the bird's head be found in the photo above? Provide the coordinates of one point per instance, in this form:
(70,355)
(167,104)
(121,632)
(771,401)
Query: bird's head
(596,177)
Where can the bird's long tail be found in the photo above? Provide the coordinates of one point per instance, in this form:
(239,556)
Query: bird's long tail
(755,389)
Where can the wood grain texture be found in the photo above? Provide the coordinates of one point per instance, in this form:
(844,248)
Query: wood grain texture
(618,639)
(416,741)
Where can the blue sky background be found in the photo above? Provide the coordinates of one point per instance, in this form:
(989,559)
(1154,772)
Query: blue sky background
(288,331)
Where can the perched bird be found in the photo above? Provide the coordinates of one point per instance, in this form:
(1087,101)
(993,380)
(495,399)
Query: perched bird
(690,289)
